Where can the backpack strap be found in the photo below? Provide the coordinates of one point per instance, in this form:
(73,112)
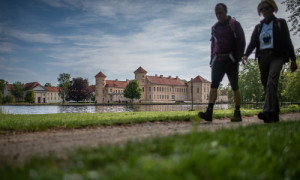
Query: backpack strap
(232,26)
(213,33)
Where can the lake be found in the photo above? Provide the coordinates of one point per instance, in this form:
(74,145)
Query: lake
(50,109)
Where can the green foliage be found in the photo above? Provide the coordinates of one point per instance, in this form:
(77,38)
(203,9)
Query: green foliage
(2,85)
(18,90)
(293,6)
(9,99)
(29,97)
(252,152)
(292,85)
(133,90)
(48,85)
(64,84)
(249,82)
(1,98)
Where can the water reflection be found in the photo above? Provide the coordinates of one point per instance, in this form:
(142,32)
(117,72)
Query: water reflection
(99,109)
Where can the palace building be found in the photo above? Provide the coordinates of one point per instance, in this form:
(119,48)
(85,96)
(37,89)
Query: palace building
(154,88)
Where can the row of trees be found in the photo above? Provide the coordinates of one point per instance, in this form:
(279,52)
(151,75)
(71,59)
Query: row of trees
(253,91)
(76,89)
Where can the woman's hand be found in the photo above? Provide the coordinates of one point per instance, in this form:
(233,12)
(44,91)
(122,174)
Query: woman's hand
(294,66)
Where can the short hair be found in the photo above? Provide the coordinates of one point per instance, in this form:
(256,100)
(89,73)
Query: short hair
(223,5)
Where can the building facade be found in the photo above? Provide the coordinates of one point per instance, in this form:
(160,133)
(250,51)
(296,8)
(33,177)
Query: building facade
(42,94)
(154,88)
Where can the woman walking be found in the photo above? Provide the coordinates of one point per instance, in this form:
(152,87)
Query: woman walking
(271,39)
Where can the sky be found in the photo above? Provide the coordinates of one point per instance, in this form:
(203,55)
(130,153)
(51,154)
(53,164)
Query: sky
(40,39)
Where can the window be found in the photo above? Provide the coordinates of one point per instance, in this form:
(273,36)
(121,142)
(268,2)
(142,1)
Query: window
(197,90)
(143,89)
(150,90)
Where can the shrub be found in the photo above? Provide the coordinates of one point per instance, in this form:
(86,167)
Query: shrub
(9,99)
(293,106)
(29,97)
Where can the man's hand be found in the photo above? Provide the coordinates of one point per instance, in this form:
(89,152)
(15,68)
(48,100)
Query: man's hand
(294,66)
(244,59)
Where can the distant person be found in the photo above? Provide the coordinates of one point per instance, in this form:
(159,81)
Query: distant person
(227,48)
(271,39)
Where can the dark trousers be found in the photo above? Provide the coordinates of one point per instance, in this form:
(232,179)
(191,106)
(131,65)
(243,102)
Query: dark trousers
(270,66)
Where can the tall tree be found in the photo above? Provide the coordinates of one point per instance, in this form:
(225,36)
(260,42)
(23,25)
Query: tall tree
(249,82)
(29,97)
(2,85)
(79,89)
(133,90)
(18,90)
(64,84)
(48,85)
(1,98)
(293,6)
(292,85)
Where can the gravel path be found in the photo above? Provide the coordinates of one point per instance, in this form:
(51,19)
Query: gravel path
(20,147)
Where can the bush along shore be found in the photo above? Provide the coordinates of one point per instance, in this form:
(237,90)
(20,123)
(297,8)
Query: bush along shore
(38,122)
(268,151)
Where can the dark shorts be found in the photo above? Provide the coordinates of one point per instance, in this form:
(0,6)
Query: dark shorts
(222,67)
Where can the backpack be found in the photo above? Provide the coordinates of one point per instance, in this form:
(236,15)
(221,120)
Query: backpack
(231,25)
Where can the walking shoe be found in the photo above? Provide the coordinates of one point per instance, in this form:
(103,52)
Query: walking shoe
(237,117)
(207,116)
(268,117)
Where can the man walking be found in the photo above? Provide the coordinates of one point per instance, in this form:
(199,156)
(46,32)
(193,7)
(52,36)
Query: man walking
(227,47)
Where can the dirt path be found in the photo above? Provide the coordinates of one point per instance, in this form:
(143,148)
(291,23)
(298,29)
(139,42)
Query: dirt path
(20,147)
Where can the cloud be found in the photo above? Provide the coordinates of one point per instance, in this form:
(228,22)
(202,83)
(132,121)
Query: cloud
(34,37)
(6,47)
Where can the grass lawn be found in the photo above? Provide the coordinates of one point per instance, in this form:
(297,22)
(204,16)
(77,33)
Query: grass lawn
(40,122)
(268,151)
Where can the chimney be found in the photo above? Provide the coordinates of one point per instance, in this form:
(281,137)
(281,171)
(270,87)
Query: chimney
(116,80)
(170,77)
(155,75)
(161,76)
(176,77)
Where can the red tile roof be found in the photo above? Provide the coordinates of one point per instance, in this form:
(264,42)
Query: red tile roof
(166,80)
(116,84)
(52,89)
(140,70)
(31,85)
(92,88)
(200,79)
(100,74)
(9,86)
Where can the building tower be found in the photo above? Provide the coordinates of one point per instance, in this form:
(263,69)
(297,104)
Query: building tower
(140,76)
(100,88)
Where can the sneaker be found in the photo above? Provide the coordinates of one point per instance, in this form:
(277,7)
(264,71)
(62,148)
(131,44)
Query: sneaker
(207,116)
(237,117)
